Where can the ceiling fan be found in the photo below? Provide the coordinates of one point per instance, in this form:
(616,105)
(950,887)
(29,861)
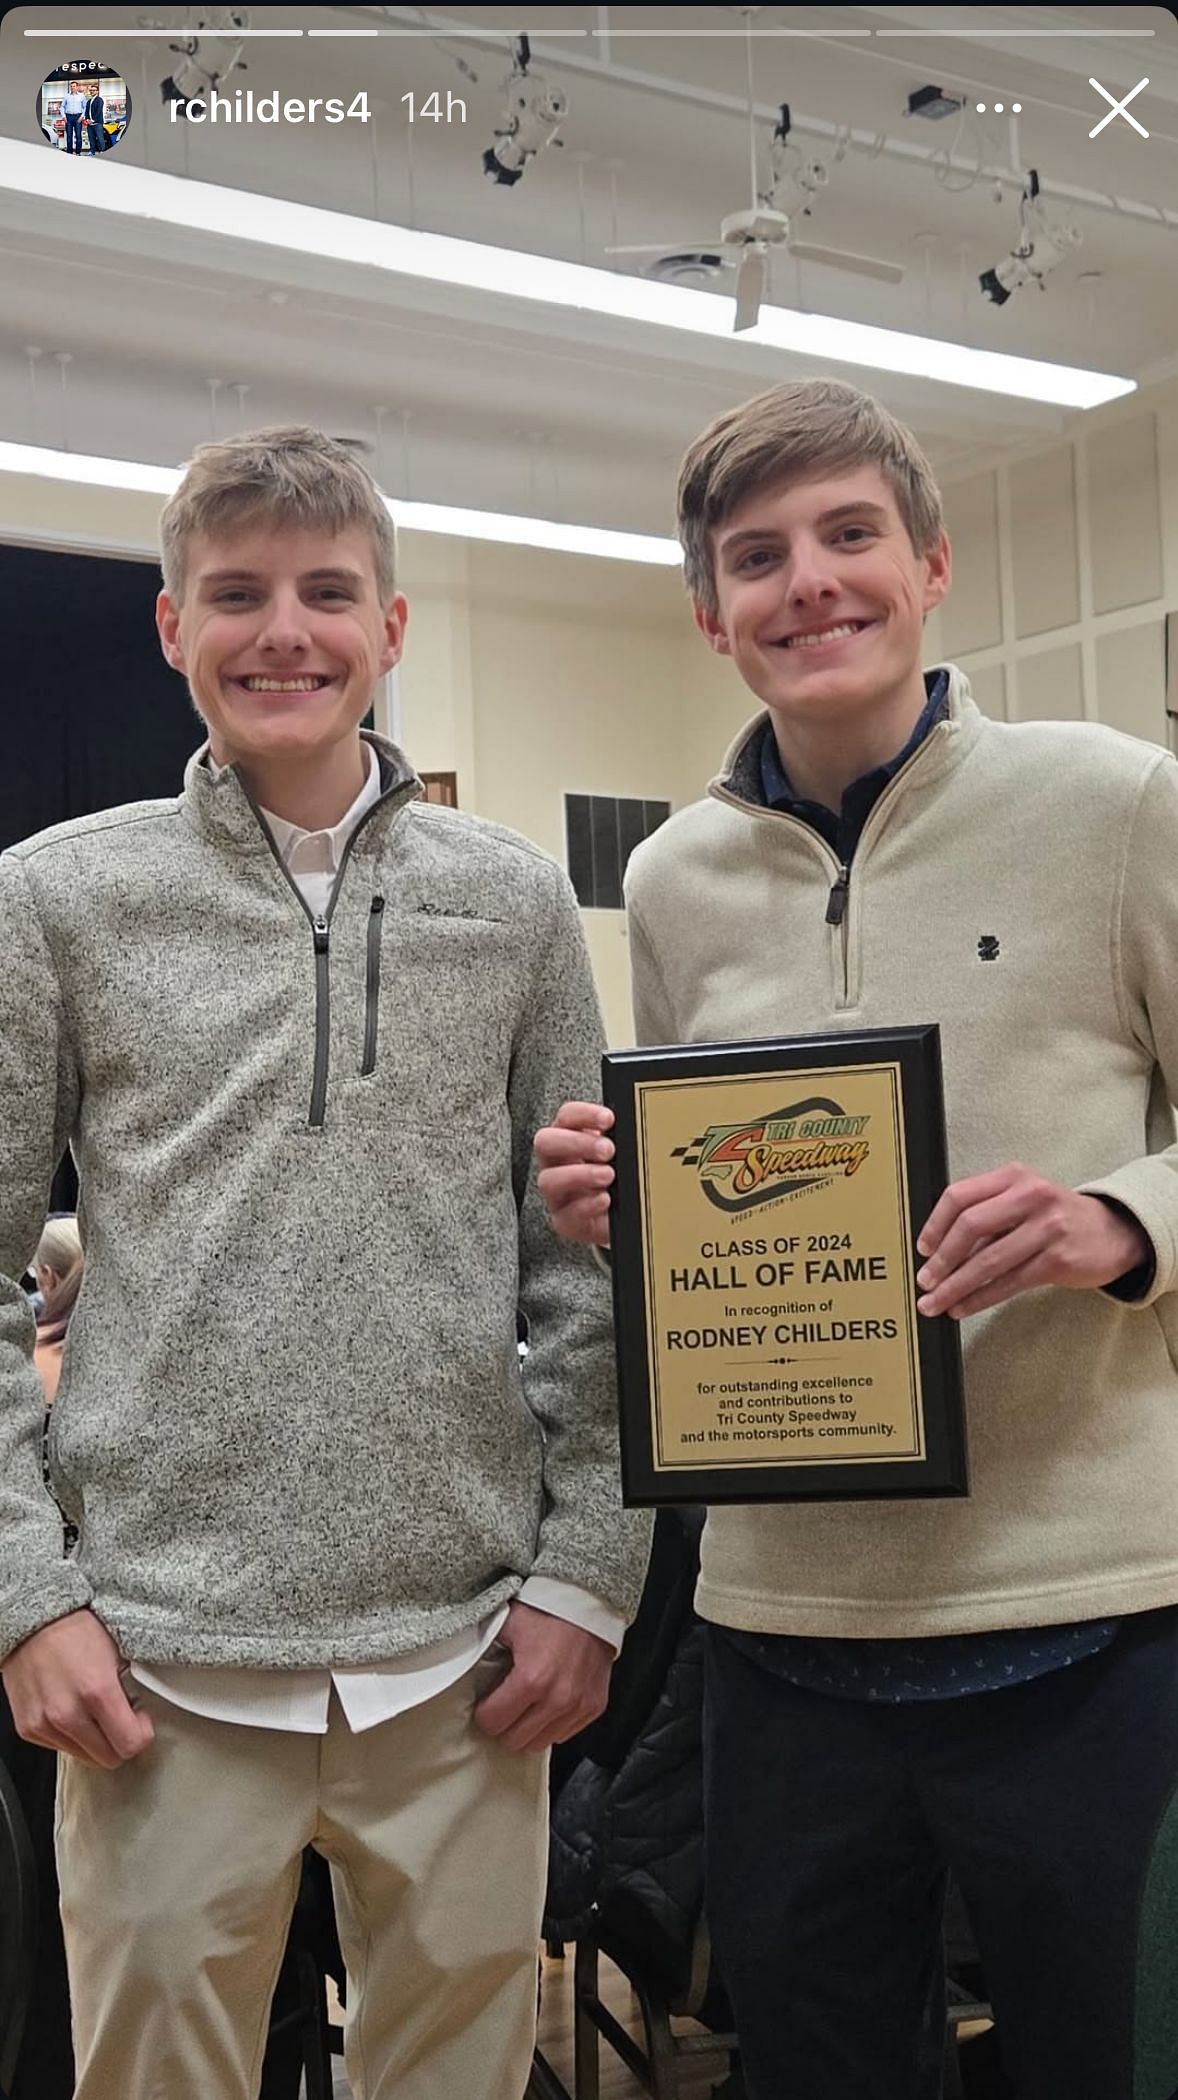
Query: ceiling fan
(748,238)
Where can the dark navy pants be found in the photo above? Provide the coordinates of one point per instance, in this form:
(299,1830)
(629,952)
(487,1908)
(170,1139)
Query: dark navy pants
(832,1824)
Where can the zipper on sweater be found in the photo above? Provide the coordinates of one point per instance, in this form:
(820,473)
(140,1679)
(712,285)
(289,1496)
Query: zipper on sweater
(838,899)
(837,895)
(836,915)
(836,903)
(321,930)
(372,986)
(322,935)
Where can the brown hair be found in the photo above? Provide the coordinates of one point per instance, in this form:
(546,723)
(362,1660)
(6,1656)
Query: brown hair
(794,432)
(290,475)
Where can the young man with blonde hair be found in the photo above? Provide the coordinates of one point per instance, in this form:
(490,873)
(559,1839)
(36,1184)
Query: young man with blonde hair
(898,1687)
(344,1572)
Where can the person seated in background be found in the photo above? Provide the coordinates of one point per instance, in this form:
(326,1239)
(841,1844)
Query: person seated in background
(57,1266)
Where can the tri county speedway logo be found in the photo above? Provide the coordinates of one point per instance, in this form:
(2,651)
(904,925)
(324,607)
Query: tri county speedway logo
(802,1146)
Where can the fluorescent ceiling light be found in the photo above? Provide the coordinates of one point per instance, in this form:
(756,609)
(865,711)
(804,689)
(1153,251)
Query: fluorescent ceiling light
(93,473)
(302,229)
(535,532)
(510,531)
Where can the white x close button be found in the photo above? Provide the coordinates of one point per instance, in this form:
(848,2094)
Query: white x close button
(1119,109)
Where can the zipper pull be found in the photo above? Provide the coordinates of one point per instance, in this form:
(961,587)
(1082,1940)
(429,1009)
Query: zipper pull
(320,936)
(376,907)
(836,903)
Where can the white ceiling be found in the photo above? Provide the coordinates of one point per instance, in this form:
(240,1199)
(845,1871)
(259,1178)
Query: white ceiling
(499,405)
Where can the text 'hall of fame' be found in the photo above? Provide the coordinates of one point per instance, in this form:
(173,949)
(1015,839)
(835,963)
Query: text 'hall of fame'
(773,1226)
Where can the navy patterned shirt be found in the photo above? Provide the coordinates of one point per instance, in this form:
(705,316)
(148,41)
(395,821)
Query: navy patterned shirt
(946,1666)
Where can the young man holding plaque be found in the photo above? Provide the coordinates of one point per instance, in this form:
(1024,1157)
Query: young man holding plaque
(987,1685)
(345,1569)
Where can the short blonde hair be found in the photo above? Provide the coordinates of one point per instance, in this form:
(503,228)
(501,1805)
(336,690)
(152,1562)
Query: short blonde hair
(59,1246)
(289,475)
(795,432)
(59,1249)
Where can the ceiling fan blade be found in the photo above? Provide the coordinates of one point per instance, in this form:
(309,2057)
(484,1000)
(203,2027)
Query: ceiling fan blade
(750,287)
(843,259)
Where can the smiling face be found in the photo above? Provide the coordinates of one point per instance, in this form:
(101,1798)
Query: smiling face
(282,637)
(821,599)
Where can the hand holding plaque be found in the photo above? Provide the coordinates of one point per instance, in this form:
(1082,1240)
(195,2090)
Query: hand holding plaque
(765,1212)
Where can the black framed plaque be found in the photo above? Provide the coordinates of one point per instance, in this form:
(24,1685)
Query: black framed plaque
(764,1217)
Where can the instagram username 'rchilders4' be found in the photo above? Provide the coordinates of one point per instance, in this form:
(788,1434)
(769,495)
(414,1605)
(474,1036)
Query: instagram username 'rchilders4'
(245,107)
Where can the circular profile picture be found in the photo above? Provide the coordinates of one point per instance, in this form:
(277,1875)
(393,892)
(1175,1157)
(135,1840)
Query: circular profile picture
(83,107)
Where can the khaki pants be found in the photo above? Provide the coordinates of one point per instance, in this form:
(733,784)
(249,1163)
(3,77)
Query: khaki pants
(179,1871)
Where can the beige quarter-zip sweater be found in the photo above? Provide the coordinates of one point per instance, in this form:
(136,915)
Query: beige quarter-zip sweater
(1058,842)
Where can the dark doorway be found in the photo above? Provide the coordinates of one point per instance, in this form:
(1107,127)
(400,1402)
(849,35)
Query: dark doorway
(90,715)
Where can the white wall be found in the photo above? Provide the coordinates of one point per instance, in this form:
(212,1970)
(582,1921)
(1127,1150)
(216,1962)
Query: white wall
(532,675)
(38,512)
(1065,566)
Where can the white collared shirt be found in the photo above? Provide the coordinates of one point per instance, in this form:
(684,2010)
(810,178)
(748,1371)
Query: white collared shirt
(312,858)
(297,1700)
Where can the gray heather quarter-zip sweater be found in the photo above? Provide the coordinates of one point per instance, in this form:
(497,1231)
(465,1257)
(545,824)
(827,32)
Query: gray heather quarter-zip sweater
(292,1424)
